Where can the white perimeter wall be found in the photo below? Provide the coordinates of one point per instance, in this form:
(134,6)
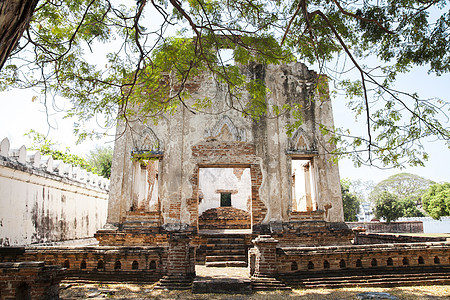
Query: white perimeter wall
(212,180)
(37,208)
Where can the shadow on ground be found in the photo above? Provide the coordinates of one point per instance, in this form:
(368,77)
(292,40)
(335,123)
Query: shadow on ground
(145,291)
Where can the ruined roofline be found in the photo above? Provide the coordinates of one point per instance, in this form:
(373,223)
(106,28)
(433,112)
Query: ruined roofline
(44,165)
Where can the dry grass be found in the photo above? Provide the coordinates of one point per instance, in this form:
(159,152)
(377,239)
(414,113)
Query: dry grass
(145,291)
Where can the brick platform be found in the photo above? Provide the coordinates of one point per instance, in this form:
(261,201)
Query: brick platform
(29,280)
(224,218)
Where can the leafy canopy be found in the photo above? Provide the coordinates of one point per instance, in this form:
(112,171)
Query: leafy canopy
(143,57)
(101,160)
(350,202)
(388,206)
(47,147)
(436,200)
(404,185)
(98,162)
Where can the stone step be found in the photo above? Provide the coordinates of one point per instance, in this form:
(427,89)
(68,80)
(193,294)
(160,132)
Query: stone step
(412,282)
(137,224)
(222,285)
(378,277)
(378,280)
(226,246)
(221,240)
(174,283)
(212,258)
(372,280)
(344,276)
(268,284)
(211,252)
(224,264)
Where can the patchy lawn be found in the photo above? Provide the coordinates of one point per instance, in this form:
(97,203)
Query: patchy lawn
(145,291)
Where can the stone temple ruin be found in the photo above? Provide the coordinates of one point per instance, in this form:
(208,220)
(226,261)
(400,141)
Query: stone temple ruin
(166,176)
(221,189)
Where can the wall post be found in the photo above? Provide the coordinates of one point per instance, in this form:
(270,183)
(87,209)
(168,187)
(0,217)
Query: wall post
(266,256)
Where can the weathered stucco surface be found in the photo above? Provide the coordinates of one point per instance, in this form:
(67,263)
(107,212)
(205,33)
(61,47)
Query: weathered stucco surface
(213,181)
(41,201)
(180,139)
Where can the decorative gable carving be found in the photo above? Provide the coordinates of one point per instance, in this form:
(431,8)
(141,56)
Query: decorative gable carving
(300,142)
(146,141)
(225,130)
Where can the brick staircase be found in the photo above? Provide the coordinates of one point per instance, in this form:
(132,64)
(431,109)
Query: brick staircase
(226,251)
(174,283)
(370,278)
(268,284)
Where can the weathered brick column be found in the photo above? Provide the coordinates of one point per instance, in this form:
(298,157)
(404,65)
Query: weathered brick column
(266,256)
(179,255)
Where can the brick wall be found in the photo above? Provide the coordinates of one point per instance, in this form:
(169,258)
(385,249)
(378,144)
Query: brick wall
(364,238)
(102,263)
(392,227)
(224,218)
(311,259)
(29,280)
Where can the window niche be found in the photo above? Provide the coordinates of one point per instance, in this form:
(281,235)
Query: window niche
(225,199)
(144,184)
(303,185)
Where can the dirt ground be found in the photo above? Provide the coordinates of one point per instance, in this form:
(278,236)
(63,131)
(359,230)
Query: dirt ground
(78,290)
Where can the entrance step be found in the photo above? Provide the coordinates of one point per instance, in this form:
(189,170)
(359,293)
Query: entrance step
(232,280)
(215,258)
(226,251)
(268,284)
(174,283)
(202,285)
(223,264)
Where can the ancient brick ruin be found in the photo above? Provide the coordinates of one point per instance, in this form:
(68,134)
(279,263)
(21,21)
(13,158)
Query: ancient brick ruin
(156,180)
(220,189)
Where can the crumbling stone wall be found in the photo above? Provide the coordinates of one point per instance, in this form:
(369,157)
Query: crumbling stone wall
(42,200)
(184,142)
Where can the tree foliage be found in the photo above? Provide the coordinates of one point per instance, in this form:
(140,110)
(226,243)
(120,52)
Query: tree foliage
(404,185)
(350,202)
(408,188)
(143,58)
(436,201)
(388,206)
(101,160)
(48,147)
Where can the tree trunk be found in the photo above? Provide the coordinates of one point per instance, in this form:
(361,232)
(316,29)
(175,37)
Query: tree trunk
(15,16)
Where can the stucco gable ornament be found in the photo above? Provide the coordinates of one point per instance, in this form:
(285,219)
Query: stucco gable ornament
(225,130)
(300,142)
(146,141)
